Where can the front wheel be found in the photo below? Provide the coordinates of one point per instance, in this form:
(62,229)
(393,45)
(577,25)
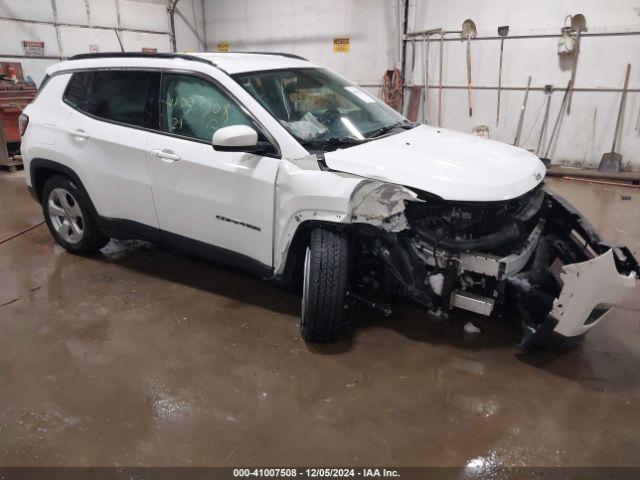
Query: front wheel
(324,287)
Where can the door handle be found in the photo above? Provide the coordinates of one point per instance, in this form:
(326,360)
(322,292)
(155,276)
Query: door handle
(79,133)
(165,155)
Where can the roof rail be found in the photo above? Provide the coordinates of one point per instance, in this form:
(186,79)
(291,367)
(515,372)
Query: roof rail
(280,54)
(84,56)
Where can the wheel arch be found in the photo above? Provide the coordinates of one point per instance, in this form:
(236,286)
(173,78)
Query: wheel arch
(290,268)
(42,169)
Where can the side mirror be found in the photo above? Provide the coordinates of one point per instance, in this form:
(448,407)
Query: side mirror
(235,138)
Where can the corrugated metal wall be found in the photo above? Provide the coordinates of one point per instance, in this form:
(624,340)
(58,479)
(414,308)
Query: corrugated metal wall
(69,27)
(610,42)
(307,27)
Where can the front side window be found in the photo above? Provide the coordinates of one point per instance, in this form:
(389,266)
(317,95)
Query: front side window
(115,95)
(193,107)
(318,107)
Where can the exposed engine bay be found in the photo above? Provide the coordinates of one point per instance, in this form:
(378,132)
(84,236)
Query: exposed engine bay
(535,254)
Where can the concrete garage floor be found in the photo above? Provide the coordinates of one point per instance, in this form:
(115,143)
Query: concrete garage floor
(144,357)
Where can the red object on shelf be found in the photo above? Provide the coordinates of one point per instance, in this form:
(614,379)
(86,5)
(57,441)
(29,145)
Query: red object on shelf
(15,95)
(13,99)
(11,73)
(9,118)
(6,67)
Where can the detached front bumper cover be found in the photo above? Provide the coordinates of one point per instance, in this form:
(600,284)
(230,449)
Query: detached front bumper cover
(589,289)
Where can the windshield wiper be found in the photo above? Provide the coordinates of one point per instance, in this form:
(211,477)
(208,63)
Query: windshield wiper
(332,142)
(381,131)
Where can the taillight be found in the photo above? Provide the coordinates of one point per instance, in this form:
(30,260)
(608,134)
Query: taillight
(23,121)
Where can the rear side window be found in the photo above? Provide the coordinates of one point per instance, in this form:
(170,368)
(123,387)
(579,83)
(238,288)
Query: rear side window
(119,96)
(78,89)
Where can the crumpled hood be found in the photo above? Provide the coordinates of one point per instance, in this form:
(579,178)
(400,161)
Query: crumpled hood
(452,165)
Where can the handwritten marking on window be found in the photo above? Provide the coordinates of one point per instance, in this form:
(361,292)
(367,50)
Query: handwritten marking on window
(213,115)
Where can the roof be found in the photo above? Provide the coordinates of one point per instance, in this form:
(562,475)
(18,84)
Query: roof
(238,62)
(230,62)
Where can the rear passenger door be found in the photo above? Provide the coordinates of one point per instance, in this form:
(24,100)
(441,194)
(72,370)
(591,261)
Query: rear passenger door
(225,199)
(106,135)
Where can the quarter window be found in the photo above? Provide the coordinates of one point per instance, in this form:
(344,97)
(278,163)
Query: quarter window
(78,90)
(193,107)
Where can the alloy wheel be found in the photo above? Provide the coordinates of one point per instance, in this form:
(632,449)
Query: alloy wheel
(65,215)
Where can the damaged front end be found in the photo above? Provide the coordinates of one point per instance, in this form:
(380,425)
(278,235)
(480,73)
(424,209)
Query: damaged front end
(535,254)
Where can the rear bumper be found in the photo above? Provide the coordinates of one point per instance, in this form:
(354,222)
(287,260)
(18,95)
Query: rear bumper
(589,291)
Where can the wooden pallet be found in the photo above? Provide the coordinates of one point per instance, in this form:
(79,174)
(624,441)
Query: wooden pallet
(12,164)
(7,161)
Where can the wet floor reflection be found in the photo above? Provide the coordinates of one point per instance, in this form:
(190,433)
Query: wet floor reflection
(143,356)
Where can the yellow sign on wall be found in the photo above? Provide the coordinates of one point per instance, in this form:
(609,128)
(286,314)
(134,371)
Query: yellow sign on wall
(223,47)
(340,45)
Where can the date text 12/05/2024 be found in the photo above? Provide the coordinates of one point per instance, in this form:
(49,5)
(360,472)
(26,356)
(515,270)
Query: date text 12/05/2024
(315,473)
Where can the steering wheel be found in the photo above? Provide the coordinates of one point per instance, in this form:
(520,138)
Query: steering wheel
(329,117)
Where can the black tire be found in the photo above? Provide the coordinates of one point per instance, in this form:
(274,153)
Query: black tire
(325,278)
(91,240)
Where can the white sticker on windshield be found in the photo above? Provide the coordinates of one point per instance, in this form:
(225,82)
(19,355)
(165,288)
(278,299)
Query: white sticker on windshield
(361,94)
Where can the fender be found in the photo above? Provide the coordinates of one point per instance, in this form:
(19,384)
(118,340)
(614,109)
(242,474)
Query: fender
(308,196)
(41,169)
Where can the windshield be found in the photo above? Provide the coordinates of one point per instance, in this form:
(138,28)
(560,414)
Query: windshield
(319,108)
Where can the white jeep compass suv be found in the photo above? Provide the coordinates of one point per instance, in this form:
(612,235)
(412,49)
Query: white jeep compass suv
(273,164)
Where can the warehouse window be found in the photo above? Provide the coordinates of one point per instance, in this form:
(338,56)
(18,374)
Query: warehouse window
(193,107)
(119,96)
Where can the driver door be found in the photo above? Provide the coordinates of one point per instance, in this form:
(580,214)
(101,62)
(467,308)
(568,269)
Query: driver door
(205,197)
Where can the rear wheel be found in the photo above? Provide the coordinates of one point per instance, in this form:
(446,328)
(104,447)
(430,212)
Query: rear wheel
(324,287)
(66,211)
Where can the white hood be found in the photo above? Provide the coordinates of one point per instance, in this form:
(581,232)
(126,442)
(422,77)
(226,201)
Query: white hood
(452,165)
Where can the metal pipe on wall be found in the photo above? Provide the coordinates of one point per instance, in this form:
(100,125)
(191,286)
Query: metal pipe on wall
(407,37)
(55,26)
(399,41)
(193,28)
(31,57)
(540,89)
(77,25)
(204,28)
(88,8)
(425,80)
(172,21)
(404,47)
(487,87)
(117,31)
